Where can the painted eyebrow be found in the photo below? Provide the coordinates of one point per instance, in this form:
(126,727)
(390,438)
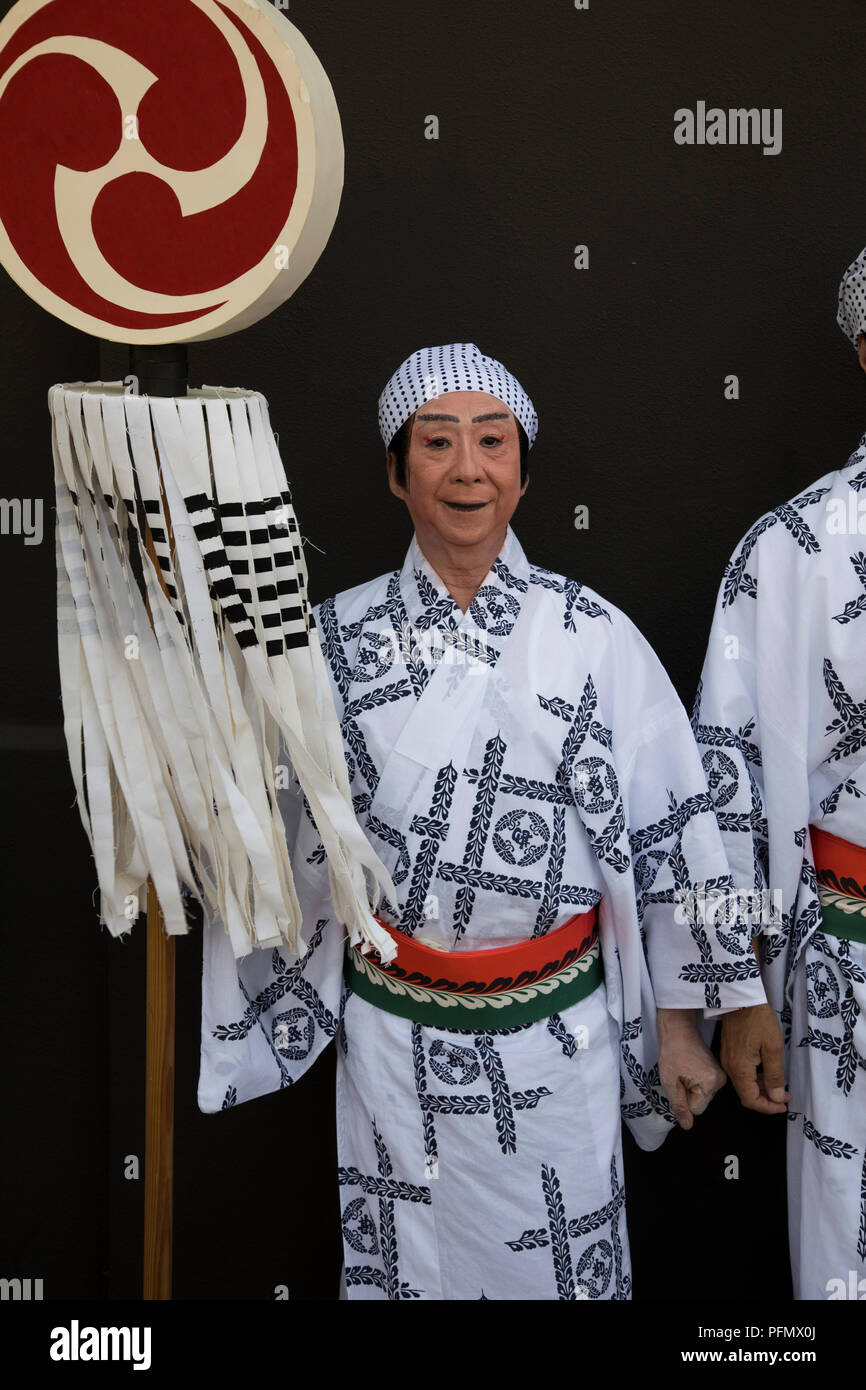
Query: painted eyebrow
(476,419)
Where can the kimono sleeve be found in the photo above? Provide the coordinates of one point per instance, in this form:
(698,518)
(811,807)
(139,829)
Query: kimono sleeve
(267,1017)
(697,958)
(750,722)
(726,728)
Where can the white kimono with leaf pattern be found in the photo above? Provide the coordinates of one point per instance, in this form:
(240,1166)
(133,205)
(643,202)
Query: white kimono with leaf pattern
(513,766)
(781,720)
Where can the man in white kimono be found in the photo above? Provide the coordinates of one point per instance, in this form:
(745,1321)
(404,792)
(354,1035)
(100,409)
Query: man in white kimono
(781,719)
(521,763)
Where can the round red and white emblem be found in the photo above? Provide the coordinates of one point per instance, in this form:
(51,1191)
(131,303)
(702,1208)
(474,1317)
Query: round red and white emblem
(172,169)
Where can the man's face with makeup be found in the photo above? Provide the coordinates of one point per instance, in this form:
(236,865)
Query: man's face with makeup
(462,468)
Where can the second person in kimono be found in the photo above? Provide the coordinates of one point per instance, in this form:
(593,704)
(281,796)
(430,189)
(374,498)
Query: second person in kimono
(781,720)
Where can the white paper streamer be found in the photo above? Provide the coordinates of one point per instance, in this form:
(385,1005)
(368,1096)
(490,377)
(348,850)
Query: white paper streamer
(179,704)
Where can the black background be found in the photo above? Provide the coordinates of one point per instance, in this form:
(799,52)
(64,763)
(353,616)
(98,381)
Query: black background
(556,130)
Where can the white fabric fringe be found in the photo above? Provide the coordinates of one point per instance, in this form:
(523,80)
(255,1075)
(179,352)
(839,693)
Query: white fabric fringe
(176,728)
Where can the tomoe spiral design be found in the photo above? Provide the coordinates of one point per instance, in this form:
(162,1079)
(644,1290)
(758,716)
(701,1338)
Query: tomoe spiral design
(172,168)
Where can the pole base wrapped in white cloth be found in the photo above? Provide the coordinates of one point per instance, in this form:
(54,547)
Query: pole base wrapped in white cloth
(175,726)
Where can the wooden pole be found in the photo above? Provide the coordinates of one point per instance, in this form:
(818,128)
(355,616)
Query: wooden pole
(161,371)
(159,1105)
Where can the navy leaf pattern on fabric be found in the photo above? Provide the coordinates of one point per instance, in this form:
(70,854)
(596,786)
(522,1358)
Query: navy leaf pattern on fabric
(557,1029)
(558,1228)
(834,1148)
(599,1260)
(574,598)
(389,1190)
(500,1094)
(855,606)
(556,705)
(788,515)
(851,716)
(527,1100)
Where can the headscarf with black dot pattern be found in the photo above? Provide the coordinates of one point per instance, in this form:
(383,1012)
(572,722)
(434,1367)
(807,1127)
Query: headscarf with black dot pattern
(432,371)
(851,317)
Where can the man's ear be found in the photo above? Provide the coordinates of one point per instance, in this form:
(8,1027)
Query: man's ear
(391,465)
(861,350)
(526,483)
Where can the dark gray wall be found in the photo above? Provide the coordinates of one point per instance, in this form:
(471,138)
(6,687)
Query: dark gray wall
(556,130)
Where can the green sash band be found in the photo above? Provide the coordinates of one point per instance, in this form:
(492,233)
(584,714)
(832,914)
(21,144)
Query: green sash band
(843,915)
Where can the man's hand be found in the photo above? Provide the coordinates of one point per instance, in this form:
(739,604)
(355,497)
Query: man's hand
(688,1071)
(752,1038)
